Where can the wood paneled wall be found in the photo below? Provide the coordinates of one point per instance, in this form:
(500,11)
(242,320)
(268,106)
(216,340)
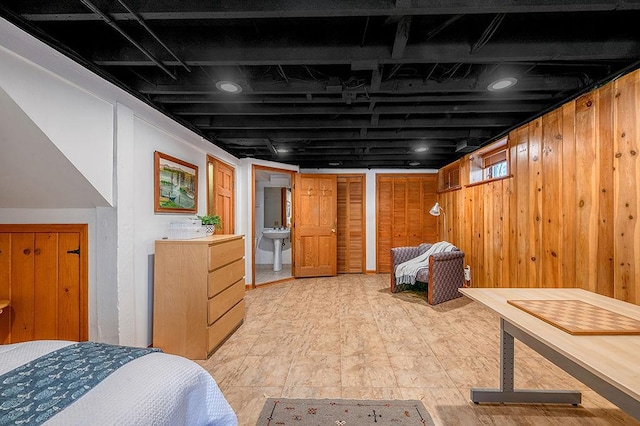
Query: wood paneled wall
(568,215)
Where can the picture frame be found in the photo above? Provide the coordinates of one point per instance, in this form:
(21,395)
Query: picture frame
(175,185)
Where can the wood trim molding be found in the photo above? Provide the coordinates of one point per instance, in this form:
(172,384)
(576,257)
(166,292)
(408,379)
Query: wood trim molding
(255,167)
(482,182)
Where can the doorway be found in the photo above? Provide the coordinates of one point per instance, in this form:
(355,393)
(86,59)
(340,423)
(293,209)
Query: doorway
(220,193)
(272,212)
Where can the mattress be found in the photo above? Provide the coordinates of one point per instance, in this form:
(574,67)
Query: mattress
(154,389)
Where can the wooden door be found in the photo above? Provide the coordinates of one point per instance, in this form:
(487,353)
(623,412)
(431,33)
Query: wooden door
(221,190)
(315,225)
(44,277)
(351,224)
(402,211)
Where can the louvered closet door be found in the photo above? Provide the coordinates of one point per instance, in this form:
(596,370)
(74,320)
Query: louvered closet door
(402,209)
(384,203)
(351,224)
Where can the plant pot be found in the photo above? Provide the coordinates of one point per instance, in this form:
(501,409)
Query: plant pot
(209,229)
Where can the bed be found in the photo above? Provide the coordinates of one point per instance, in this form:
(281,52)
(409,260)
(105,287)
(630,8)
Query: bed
(134,386)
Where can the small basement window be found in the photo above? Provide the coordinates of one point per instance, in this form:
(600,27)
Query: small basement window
(495,164)
(449,177)
(489,163)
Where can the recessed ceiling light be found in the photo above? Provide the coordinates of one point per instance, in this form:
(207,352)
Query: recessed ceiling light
(414,163)
(502,84)
(228,87)
(421,149)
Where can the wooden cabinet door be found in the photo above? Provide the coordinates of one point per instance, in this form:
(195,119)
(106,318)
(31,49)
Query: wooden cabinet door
(44,277)
(315,225)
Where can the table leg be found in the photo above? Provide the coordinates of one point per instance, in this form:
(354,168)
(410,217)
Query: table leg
(507,393)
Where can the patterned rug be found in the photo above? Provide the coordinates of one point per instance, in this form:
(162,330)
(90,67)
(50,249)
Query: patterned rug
(342,412)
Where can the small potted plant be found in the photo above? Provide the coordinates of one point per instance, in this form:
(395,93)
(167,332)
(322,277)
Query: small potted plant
(211,223)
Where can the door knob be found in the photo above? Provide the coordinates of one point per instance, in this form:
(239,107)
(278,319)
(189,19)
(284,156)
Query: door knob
(333,230)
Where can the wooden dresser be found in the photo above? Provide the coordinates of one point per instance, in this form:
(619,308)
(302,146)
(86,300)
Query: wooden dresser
(198,296)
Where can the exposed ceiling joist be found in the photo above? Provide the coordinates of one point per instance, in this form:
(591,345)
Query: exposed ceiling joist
(260,9)
(215,52)
(359,83)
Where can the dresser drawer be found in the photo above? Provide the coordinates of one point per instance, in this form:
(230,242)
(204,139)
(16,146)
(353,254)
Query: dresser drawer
(222,254)
(223,301)
(222,278)
(219,330)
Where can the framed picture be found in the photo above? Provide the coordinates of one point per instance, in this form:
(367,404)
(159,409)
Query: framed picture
(176,185)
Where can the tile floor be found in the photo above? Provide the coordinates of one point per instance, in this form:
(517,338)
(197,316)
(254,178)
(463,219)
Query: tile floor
(349,337)
(266,274)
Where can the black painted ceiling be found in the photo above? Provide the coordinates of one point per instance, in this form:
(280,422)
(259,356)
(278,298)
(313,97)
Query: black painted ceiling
(346,84)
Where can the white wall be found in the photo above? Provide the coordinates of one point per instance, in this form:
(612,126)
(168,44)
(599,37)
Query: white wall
(78,123)
(245,215)
(149,226)
(264,248)
(109,136)
(34,172)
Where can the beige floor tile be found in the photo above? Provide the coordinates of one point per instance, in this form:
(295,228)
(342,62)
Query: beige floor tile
(604,410)
(361,341)
(247,402)
(419,372)
(311,392)
(367,371)
(371,393)
(447,406)
(411,344)
(523,351)
(284,344)
(314,371)
(223,368)
(328,343)
(467,372)
(536,373)
(349,337)
(463,345)
(263,371)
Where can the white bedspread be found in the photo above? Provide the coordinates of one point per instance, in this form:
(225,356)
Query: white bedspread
(156,389)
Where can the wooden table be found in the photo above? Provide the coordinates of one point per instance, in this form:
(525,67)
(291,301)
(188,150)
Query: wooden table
(608,364)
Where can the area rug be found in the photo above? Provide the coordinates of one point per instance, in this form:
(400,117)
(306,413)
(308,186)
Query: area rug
(342,412)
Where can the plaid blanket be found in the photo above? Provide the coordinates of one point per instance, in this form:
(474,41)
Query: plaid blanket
(406,272)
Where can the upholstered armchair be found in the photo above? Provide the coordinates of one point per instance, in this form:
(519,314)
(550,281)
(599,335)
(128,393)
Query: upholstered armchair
(444,276)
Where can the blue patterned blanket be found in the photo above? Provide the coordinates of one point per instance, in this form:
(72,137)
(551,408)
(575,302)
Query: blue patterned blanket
(34,392)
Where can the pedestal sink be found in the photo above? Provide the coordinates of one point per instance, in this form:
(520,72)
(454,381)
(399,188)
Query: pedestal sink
(277,235)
